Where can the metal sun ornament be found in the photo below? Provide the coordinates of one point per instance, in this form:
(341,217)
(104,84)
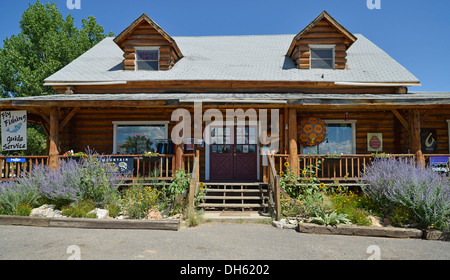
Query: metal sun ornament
(312,131)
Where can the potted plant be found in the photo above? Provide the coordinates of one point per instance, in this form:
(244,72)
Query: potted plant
(75,156)
(150,156)
(332,158)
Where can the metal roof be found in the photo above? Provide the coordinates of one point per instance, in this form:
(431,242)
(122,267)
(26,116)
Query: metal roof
(240,58)
(146,99)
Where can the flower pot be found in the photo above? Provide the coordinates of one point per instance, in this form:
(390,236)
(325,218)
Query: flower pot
(332,160)
(151,159)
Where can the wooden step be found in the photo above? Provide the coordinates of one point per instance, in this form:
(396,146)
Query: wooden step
(235,190)
(233,205)
(234,197)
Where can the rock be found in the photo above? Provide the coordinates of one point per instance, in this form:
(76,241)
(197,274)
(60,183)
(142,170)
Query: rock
(375,221)
(45,210)
(153,214)
(277,224)
(101,213)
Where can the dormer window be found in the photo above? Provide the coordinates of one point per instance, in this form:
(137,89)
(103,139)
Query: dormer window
(147,58)
(323,44)
(146,46)
(322,56)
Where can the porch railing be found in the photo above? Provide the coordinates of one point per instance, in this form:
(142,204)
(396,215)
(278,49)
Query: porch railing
(162,169)
(347,167)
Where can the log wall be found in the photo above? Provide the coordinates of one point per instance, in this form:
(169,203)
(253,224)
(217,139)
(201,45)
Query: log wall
(323,33)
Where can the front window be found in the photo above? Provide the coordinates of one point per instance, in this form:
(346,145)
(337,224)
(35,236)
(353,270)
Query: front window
(147,59)
(322,57)
(340,139)
(136,138)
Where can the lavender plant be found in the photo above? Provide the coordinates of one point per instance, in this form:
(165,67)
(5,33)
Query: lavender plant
(12,195)
(394,183)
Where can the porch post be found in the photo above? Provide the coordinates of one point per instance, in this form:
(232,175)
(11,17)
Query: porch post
(53,151)
(293,150)
(415,145)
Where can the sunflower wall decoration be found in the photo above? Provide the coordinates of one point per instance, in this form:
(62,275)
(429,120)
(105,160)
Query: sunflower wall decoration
(312,131)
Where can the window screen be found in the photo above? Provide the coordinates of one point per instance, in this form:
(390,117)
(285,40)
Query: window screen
(322,58)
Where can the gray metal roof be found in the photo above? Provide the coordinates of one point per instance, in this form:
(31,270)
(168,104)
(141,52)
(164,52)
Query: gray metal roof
(251,58)
(100,100)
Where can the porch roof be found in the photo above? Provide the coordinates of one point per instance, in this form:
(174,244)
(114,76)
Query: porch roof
(278,99)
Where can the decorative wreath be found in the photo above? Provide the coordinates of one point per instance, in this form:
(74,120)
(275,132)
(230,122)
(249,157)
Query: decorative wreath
(312,131)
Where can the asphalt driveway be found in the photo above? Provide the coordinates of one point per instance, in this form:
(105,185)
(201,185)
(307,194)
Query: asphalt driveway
(210,241)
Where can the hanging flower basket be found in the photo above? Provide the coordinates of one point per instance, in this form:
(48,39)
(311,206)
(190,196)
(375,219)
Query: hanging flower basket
(150,156)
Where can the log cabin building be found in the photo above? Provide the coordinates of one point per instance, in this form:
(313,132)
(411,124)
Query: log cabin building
(118,98)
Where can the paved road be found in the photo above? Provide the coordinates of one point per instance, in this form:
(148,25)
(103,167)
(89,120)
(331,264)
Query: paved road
(210,241)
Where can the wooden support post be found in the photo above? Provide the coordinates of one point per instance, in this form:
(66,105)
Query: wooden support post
(53,151)
(293,149)
(415,145)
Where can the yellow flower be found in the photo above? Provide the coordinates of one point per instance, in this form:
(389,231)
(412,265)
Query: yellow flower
(202,184)
(281,173)
(322,185)
(286,164)
(304,172)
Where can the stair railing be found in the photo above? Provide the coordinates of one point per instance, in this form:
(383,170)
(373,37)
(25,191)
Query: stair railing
(274,188)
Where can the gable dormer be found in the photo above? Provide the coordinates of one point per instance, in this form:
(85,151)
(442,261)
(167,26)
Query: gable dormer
(323,44)
(147,46)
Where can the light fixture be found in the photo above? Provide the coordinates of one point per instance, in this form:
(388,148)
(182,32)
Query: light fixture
(347,118)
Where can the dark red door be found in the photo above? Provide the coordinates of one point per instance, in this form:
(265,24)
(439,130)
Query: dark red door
(233,153)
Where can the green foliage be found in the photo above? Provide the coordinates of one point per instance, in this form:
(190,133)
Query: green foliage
(11,196)
(46,43)
(79,209)
(333,218)
(137,200)
(178,186)
(24,209)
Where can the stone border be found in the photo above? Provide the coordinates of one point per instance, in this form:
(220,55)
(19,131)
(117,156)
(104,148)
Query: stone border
(368,231)
(90,223)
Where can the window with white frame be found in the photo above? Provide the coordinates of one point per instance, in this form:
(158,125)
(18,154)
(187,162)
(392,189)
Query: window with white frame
(340,139)
(322,56)
(137,137)
(147,58)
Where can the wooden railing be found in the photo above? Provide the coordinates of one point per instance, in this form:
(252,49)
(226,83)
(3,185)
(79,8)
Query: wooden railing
(12,170)
(162,169)
(347,167)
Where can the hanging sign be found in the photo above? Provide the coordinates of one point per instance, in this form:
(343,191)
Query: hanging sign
(14,130)
(428,140)
(374,142)
(124,164)
(312,131)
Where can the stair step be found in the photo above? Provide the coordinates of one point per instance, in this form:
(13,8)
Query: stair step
(234,197)
(235,184)
(233,205)
(234,190)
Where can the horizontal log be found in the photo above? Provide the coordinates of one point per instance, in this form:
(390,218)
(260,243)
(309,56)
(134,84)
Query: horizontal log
(321,35)
(131,43)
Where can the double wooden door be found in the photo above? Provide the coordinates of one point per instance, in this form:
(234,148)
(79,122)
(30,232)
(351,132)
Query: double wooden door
(233,153)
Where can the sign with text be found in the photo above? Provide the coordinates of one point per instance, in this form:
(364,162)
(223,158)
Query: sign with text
(125,164)
(14,130)
(374,142)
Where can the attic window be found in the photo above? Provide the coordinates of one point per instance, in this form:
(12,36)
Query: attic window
(322,56)
(147,59)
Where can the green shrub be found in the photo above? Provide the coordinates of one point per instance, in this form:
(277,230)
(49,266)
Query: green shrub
(137,200)
(24,209)
(79,209)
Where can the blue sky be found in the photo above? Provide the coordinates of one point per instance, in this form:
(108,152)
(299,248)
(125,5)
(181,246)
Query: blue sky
(414,32)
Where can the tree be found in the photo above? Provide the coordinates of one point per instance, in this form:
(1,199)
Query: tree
(46,43)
